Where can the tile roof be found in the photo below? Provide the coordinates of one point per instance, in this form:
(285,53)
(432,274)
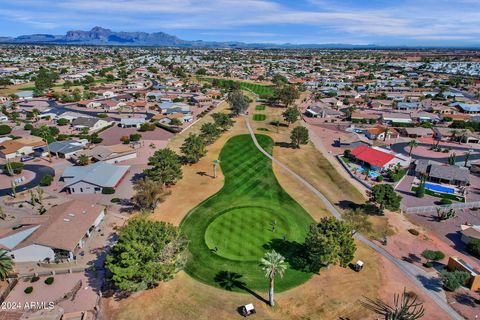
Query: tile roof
(372,156)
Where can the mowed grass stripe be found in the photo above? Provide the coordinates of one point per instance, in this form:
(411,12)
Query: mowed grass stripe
(237,220)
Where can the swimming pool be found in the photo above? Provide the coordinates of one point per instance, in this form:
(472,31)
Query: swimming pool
(437,188)
(371,174)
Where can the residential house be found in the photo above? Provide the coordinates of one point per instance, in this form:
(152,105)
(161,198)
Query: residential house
(457,264)
(56,236)
(378,158)
(65,149)
(442,173)
(393,118)
(109,154)
(381,133)
(11,149)
(131,122)
(91,124)
(93,178)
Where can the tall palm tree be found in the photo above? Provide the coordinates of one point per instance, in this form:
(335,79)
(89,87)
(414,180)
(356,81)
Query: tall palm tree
(405,307)
(386,131)
(6,264)
(467,157)
(412,144)
(273,263)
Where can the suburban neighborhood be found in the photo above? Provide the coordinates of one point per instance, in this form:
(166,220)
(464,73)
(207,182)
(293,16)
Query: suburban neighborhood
(145,182)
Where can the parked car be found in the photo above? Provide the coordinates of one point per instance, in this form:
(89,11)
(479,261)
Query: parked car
(26,158)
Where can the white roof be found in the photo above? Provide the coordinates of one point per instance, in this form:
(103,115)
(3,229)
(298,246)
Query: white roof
(249,307)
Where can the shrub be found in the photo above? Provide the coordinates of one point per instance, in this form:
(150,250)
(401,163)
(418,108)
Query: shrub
(28,127)
(62,122)
(454,280)
(35,279)
(135,137)
(102,115)
(433,255)
(379,179)
(108,190)
(474,247)
(346,153)
(28,290)
(428,264)
(146,127)
(115,200)
(46,180)
(17,167)
(49,280)
(414,232)
(4,129)
(96,139)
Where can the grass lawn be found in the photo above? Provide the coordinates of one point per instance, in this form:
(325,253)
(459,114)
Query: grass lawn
(260,107)
(257,88)
(259,117)
(237,221)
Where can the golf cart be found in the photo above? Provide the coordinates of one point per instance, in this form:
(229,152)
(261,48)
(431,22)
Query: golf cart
(358,266)
(247,310)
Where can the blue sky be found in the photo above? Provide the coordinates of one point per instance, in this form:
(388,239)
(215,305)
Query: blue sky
(400,22)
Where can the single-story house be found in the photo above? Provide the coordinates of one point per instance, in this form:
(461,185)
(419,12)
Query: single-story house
(378,158)
(93,178)
(396,118)
(92,124)
(10,149)
(380,133)
(467,108)
(109,154)
(131,122)
(417,132)
(319,112)
(442,173)
(57,235)
(407,106)
(469,233)
(65,149)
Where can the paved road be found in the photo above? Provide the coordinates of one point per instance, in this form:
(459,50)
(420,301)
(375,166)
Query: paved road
(62,108)
(39,170)
(400,148)
(412,272)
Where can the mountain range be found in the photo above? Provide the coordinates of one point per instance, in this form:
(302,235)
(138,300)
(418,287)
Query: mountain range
(102,36)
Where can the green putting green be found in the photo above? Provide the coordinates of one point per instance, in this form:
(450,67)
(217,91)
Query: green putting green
(260,107)
(230,231)
(259,117)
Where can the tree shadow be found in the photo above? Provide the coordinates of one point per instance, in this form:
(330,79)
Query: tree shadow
(287,145)
(293,252)
(466,299)
(231,280)
(204,174)
(432,283)
(412,258)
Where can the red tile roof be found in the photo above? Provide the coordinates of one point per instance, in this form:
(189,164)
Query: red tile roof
(372,156)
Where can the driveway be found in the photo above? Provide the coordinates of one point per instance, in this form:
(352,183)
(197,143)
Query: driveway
(39,170)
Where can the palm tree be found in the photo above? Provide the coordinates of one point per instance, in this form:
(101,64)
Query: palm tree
(273,263)
(412,144)
(453,134)
(467,157)
(367,173)
(83,159)
(405,307)
(6,264)
(386,131)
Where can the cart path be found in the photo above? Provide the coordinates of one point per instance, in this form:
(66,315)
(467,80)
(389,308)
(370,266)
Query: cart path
(414,273)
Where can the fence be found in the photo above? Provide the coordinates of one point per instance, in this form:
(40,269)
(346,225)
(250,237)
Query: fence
(428,209)
(345,166)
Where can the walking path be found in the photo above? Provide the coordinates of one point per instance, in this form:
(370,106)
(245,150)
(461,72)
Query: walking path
(429,285)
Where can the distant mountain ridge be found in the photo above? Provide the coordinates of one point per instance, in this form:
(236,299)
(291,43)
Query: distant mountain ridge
(102,36)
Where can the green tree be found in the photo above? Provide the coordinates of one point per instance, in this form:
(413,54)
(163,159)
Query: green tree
(358,220)
(83,159)
(291,114)
(193,148)
(62,122)
(432,255)
(278,79)
(148,194)
(454,280)
(147,252)
(210,132)
(474,247)
(4,129)
(412,144)
(299,136)
(288,94)
(329,242)
(405,307)
(238,102)
(385,196)
(420,192)
(45,79)
(166,167)
(273,264)
(223,120)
